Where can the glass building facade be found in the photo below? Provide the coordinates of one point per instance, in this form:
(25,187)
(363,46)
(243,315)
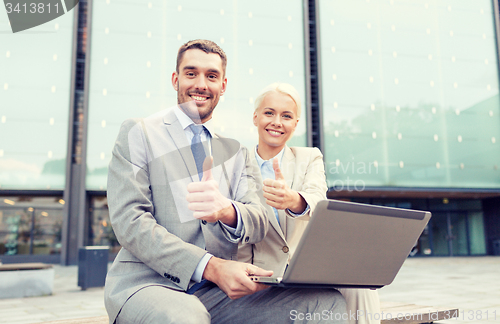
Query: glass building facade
(133,57)
(35,73)
(404,105)
(411,74)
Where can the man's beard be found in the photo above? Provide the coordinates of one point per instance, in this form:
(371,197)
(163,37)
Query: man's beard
(190,107)
(191,110)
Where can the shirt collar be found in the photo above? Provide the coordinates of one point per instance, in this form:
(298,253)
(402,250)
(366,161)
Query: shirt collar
(185,121)
(261,161)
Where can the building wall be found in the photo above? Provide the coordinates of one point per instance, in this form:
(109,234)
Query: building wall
(403,85)
(492,224)
(410,98)
(134,54)
(35,70)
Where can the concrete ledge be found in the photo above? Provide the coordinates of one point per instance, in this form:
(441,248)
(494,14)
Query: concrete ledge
(398,313)
(419,314)
(88,320)
(26,280)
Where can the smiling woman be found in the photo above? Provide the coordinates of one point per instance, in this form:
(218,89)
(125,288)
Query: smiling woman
(276,116)
(294,182)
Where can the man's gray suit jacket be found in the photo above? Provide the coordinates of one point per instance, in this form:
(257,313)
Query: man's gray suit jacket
(150,168)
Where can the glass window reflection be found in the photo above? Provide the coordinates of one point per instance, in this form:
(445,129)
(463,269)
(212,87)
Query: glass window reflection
(134,46)
(30,225)
(35,87)
(100,231)
(411,87)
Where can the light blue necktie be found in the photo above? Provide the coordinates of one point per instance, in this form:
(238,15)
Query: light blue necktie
(197,148)
(267,171)
(199,156)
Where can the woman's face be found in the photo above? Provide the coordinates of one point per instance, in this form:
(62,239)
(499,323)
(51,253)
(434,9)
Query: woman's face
(276,119)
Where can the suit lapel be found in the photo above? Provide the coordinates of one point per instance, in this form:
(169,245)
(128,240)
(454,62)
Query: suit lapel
(219,155)
(288,166)
(178,135)
(274,221)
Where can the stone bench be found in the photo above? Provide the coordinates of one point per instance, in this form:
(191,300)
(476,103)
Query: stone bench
(408,314)
(395,313)
(87,320)
(18,280)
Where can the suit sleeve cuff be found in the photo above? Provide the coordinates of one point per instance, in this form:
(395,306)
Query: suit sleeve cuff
(198,272)
(236,232)
(298,215)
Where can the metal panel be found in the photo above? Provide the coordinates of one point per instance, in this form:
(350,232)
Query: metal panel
(75,212)
(83,198)
(69,151)
(496,14)
(313,56)
(307,62)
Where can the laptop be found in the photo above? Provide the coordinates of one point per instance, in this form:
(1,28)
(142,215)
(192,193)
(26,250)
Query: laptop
(352,245)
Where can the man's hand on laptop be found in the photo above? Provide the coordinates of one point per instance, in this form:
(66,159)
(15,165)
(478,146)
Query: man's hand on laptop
(232,277)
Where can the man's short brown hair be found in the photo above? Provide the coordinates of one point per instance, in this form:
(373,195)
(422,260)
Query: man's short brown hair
(204,45)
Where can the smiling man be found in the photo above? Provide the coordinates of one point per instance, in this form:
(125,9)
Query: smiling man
(202,90)
(179,221)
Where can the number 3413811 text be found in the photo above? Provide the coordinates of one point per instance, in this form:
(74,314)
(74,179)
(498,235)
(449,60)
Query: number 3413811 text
(32,8)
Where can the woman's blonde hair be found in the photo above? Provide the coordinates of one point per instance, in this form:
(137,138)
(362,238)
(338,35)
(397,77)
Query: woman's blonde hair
(283,88)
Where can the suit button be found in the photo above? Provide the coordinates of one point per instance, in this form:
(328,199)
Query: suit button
(247,239)
(167,275)
(204,222)
(177,280)
(285,249)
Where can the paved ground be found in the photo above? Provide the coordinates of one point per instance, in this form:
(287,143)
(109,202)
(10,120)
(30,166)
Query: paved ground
(471,284)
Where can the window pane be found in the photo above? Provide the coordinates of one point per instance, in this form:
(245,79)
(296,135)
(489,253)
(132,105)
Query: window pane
(412,90)
(439,228)
(424,244)
(476,233)
(35,87)
(30,225)
(101,232)
(47,231)
(458,223)
(15,225)
(134,48)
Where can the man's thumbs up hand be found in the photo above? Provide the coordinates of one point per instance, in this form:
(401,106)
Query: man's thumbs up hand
(279,195)
(207,169)
(206,201)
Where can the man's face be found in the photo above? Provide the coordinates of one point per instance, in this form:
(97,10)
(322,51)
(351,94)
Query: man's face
(199,84)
